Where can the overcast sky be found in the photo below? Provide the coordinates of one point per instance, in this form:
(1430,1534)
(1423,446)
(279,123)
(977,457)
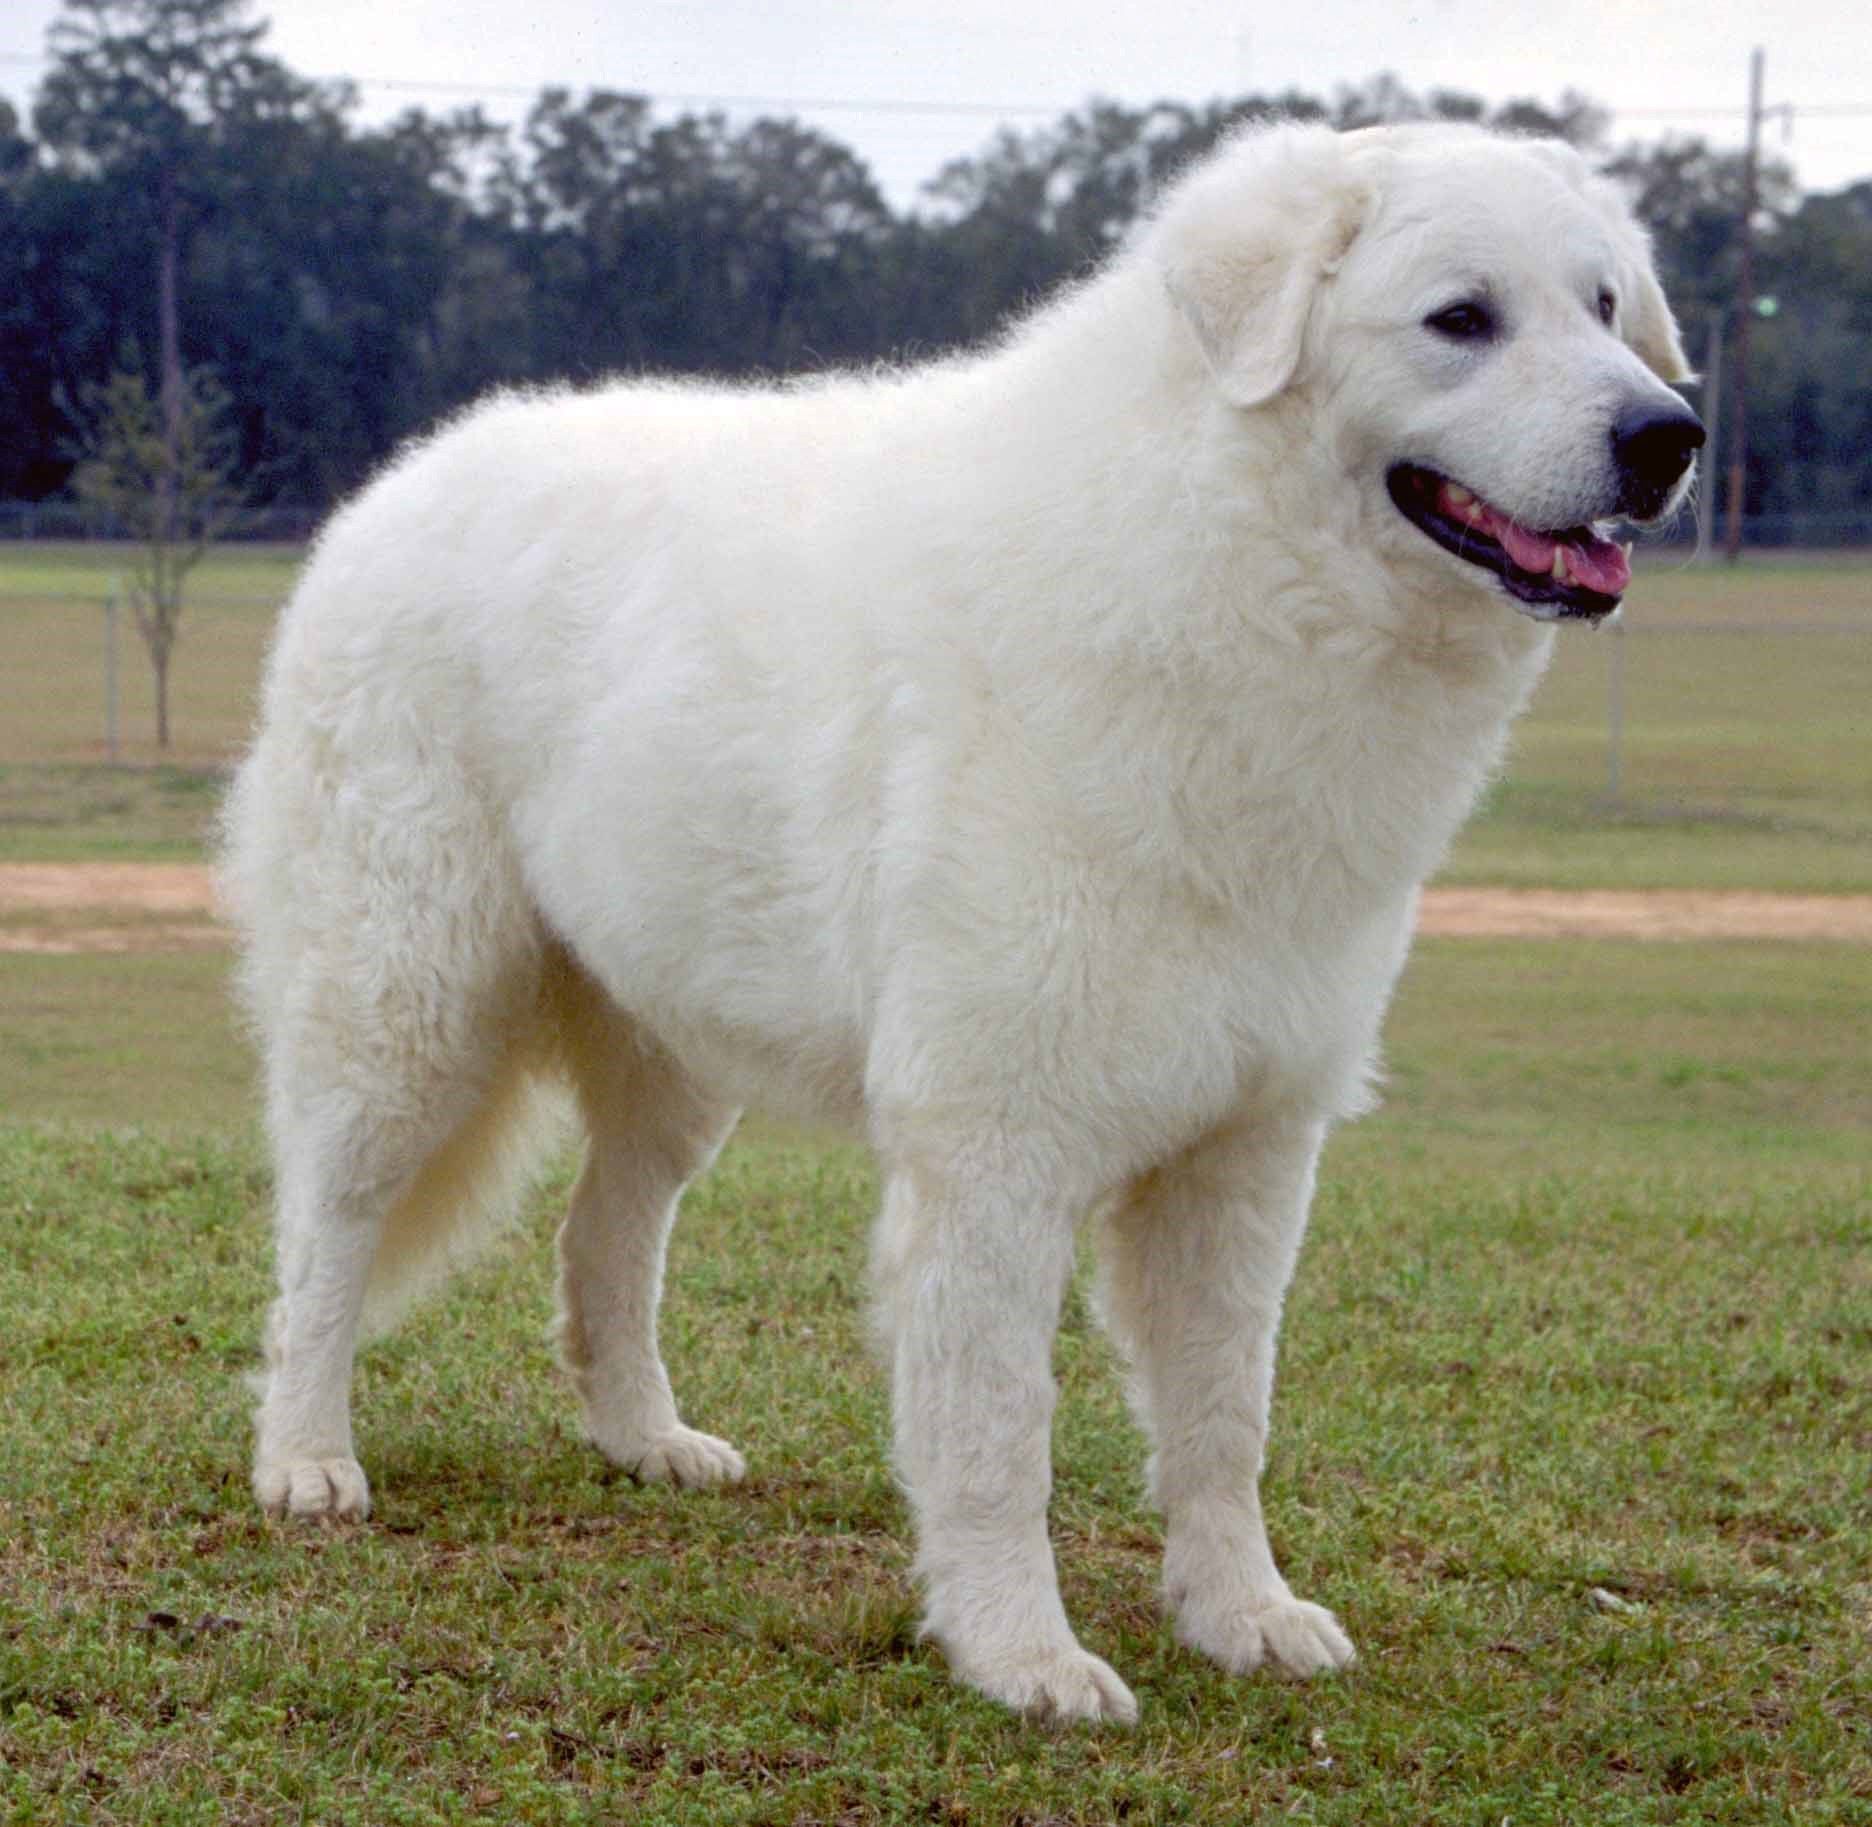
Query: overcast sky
(1668,66)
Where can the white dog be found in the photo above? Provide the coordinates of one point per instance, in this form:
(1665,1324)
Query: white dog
(1032,759)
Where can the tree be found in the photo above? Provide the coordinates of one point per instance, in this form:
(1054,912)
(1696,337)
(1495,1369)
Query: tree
(807,219)
(153,90)
(25,371)
(689,244)
(169,485)
(1033,208)
(359,282)
(1689,194)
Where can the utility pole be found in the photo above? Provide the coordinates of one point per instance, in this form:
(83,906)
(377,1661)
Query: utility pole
(113,748)
(1744,311)
(1709,486)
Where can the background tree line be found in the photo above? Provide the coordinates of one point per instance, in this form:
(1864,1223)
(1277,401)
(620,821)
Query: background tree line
(179,199)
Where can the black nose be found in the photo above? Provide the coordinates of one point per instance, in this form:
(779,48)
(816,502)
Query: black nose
(1652,447)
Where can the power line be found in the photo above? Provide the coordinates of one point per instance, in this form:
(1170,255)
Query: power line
(1799,110)
(833,104)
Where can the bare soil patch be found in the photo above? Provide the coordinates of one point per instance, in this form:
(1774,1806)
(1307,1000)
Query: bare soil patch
(143,936)
(1660,913)
(160,888)
(64,908)
(123,907)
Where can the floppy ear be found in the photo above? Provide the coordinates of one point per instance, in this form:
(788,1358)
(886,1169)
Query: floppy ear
(1245,242)
(1651,329)
(1648,327)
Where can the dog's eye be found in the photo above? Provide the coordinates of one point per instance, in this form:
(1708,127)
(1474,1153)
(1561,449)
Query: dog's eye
(1469,321)
(1608,308)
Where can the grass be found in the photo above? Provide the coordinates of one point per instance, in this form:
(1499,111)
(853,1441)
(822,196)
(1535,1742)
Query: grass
(59,800)
(120,1039)
(1743,760)
(1574,1427)
(1519,1059)
(1587,1308)
(82,812)
(1499,1053)
(52,697)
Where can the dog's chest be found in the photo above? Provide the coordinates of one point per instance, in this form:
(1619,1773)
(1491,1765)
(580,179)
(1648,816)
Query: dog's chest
(1312,810)
(1263,883)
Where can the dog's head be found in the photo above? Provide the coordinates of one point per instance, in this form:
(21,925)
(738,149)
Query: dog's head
(1475,329)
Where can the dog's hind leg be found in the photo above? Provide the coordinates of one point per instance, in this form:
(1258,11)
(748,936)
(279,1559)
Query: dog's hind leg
(361,1171)
(1198,1255)
(400,1017)
(304,1462)
(651,1131)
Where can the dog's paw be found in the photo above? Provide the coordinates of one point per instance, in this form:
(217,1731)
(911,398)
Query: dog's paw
(680,1455)
(1057,1685)
(1296,1638)
(313,1490)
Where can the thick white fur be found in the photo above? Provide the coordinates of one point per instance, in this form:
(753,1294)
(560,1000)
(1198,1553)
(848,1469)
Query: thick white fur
(1031,759)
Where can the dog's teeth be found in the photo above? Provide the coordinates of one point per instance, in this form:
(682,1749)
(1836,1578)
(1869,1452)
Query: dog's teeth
(1625,546)
(1461,504)
(1559,564)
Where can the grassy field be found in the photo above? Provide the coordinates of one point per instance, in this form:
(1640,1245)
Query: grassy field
(1744,761)
(1574,1427)
(57,801)
(1586,1309)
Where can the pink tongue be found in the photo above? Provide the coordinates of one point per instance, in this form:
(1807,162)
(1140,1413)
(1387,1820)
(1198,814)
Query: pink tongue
(1599,565)
(1594,562)
(1531,551)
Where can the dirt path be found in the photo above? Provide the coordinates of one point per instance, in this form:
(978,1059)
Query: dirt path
(128,907)
(1659,913)
(107,907)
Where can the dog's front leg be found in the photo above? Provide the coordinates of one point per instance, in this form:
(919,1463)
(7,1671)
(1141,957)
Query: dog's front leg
(1199,1254)
(971,1267)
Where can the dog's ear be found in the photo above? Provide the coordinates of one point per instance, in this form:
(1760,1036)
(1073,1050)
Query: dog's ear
(1649,327)
(1245,243)
(1646,323)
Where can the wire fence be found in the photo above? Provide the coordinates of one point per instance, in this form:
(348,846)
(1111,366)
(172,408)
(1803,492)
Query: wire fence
(292,523)
(286,524)
(1737,696)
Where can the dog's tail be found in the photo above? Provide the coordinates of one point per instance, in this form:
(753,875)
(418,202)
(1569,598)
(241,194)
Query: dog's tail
(472,1187)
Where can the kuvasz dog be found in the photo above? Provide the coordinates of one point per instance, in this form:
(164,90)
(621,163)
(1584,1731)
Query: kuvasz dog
(1030,760)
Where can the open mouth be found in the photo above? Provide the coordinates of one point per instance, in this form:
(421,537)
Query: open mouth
(1571,574)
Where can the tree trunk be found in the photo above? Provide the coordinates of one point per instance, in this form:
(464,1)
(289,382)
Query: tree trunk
(159,663)
(156,621)
(169,337)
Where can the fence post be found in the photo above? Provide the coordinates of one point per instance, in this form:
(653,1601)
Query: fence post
(1615,705)
(111,745)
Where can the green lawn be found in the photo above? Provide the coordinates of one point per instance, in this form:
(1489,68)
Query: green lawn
(52,691)
(1586,1309)
(116,1041)
(1746,758)
(1574,1428)
(81,812)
